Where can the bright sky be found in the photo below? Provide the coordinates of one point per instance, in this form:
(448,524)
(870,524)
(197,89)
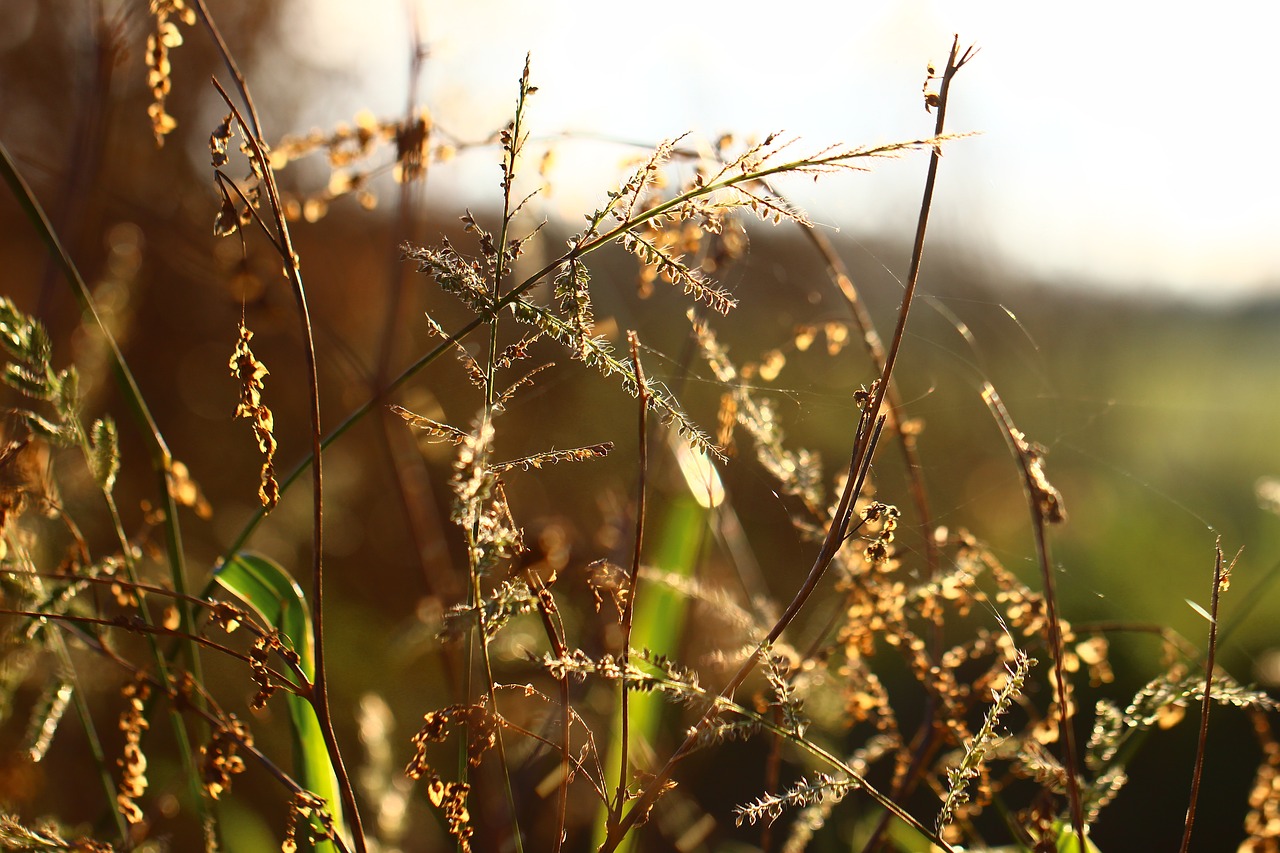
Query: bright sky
(1122,140)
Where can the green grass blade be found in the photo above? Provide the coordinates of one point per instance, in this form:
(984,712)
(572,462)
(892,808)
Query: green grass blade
(1068,842)
(660,612)
(658,625)
(263,585)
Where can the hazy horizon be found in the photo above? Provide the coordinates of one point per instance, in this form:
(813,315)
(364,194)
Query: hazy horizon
(1114,143)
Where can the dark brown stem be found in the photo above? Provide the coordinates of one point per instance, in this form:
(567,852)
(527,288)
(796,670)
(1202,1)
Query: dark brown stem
(500,272)
(633,581)
(1045,506)
(405,463)
(839,274)
(1218,576)
(1060,677)
(293,270)
(232,68)
(301,687)
(955,61)
(221,179)
(554,629)
(927,735)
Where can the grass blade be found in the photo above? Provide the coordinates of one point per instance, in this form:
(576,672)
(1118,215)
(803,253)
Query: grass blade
(276,598)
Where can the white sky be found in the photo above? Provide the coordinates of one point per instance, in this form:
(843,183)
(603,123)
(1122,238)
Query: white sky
(1130,142)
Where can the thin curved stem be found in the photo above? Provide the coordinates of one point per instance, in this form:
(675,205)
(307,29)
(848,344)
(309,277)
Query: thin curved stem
(628,614)
(1219,575)
(1046,509)
(319,698)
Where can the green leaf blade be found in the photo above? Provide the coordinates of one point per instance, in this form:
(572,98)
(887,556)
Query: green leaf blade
(275,597)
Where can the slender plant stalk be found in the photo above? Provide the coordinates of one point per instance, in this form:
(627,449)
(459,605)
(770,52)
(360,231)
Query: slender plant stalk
(839,273)
(927,742)
(955,61)
(928,734)
(1040,520)
(511,149)
(553,626)
(486,663)
(156,630)
(233,67)
(633,580)
(404,462)
(1219,575)
(293,270)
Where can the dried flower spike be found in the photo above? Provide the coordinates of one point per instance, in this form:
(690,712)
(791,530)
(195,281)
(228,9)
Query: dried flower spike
(132,761)
(220,759)
(166,36)
(250,372)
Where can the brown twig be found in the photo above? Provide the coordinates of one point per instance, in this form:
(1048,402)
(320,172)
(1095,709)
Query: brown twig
(138,626)
(223,181)
(928,733)
(553,626)
(293,270)
(1046,508)
(1220,576)
(633,581)
(405,464)
(955,61)
(838,272)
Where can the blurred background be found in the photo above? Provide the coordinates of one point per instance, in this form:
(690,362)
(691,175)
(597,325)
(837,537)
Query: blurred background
(1104,251)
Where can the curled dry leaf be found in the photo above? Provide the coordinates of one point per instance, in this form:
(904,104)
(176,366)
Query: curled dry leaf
(219,140)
